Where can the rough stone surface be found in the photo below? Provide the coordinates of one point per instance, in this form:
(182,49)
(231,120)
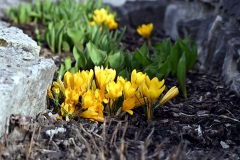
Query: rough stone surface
(180,10)
(24,76)
(3,24)
(207,40)
(229,70)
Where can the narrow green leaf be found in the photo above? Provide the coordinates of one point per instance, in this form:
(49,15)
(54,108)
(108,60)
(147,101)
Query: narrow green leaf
(187,53)
(68,62)
(174,57)
(193,55)
(181,75)
(61,72)
(167,47)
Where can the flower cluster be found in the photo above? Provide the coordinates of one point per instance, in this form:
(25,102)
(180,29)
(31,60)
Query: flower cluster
(101,17)
(101,91)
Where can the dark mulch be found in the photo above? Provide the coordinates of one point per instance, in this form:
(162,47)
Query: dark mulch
(205,125)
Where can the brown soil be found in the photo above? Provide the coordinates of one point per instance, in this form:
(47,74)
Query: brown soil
(205,125)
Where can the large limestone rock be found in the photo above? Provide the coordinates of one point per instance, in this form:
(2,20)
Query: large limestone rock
(24,76)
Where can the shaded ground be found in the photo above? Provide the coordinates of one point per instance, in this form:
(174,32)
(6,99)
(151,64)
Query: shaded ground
(206,125)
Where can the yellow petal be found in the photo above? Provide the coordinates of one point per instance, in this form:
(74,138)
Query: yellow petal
(169,95)
(49,92)
(68,80)
(129,104)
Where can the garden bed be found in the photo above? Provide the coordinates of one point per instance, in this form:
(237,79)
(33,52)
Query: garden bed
(205,125)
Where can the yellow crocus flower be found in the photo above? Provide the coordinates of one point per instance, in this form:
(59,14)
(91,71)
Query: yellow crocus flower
(112,25)
(104,76)
(110,22)
(137,77)
(71,96)
(145,30)
(88,99)
(129,90)
(121,80)
(114,90)
(100,16)
(152,89)
(128,105)
(66,107)
(94,112)
(169,95)
(92,106)
(59,84)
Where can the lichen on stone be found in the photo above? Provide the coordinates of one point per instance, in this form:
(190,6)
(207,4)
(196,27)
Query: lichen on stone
(3,42)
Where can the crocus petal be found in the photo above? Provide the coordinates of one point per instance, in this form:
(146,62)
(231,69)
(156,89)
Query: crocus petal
(68,80)
(129,104)
(169,95)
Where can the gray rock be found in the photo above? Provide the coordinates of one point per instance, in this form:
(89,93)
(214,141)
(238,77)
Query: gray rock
(229,70)
(231,8)
(3,24)
(188,27)
(24,76)
(224,36)
(207,39)
(183,10)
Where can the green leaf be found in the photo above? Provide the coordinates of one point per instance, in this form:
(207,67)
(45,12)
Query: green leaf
(68,62)
(144,49)
(124,73)
(75,34)
(81,61)
(97,56)
(187,40)
(181,75)
(151,70)
(167,47)
(187,53)
(66,46)
(193,55)
(164,69)
(61,72)
(140,61)
(72,70)
(174,57)
(116,61)
(60,42)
